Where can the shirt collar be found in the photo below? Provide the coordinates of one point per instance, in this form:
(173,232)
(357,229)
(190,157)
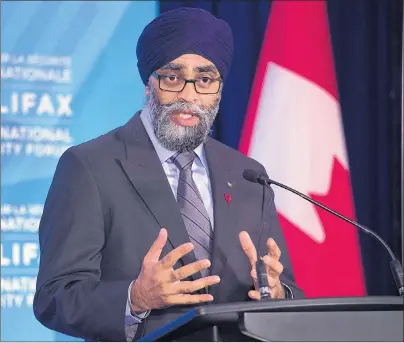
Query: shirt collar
(163,153)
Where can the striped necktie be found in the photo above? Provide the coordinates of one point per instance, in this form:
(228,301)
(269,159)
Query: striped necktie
(193,211)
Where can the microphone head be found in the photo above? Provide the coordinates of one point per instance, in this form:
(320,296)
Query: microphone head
(251,175)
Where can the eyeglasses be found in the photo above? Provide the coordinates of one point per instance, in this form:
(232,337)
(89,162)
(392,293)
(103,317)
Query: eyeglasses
(202,85)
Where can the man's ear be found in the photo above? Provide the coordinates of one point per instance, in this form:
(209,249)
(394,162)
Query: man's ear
(147,90)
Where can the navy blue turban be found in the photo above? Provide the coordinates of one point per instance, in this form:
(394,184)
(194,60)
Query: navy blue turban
(182,31)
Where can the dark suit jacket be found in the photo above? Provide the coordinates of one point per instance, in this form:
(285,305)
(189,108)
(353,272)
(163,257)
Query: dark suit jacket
(107,202)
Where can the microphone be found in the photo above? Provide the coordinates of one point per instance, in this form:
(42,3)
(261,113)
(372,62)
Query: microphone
(395,265)
(262,279)
(260,267)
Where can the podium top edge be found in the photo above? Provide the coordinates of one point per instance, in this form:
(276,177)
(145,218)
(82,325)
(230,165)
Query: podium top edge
(308,304)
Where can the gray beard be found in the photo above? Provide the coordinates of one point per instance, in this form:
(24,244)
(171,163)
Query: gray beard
(175,137)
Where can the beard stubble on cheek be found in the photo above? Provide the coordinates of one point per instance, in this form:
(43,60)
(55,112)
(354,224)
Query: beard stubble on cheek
(175,137)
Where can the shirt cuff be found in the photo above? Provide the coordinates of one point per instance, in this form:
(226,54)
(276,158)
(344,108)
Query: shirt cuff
(131,317)
(288,291)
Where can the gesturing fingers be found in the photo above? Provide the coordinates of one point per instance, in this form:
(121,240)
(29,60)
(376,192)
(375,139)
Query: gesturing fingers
(153,255)
(253,274)
(273,249)
(255,295)
(190,269)
(179,291)
(248,247)
(173,256)
(193,286)
(274,267)
(187,299)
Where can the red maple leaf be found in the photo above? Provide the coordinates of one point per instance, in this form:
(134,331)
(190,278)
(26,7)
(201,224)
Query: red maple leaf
(228,198)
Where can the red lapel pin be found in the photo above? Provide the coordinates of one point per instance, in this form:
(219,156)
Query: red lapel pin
(228,198)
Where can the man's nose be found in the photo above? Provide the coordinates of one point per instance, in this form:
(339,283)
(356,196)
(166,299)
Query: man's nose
(188,93)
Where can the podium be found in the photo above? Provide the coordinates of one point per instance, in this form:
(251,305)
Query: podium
(373,318)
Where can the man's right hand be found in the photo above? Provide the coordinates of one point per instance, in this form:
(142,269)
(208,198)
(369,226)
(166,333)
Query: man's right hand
(159,285)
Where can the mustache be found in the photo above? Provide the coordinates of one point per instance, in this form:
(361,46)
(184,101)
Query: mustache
(184,106)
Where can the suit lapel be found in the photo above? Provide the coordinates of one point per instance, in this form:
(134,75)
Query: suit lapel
(224,193)
(146,173)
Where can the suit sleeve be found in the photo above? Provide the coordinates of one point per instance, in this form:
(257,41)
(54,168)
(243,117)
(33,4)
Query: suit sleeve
(70,296)
(273,229)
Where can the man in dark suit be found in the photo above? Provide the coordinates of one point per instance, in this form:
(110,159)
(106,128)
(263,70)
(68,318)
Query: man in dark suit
(154,216)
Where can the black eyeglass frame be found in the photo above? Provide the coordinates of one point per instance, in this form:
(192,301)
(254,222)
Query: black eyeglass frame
(193,81)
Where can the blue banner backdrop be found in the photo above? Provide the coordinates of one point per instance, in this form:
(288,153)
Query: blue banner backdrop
(68,74)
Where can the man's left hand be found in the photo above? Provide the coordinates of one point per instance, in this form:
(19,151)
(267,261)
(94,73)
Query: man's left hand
(273,266)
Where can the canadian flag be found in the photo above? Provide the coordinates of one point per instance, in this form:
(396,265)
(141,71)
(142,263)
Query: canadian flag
(293,127)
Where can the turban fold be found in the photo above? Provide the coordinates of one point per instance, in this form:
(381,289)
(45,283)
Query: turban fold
(182,31)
